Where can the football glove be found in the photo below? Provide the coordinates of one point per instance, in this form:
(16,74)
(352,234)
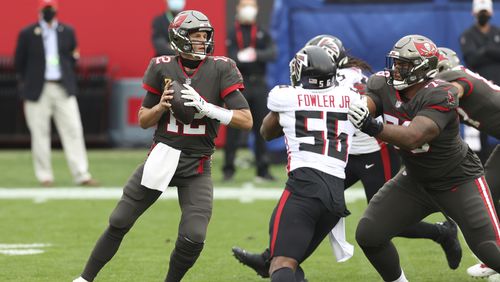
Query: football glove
(205,108)
(360,117)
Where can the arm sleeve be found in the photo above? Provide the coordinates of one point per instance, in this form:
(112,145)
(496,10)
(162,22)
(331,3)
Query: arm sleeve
(269,52)
(440,106)
(150,100)
(152,80)
(231,78)
(236,101)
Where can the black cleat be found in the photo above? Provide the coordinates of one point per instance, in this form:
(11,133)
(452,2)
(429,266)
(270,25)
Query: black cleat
(450,243)
(258,262)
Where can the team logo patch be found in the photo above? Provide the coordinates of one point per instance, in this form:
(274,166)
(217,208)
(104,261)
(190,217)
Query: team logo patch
(330,47)
(451,98)
(426,49)
(299,62)
(178,21)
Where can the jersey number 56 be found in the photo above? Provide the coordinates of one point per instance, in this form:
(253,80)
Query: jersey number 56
(334,144)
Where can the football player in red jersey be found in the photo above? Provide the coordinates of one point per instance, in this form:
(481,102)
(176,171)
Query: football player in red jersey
(181,153)
(441,172)
(479,108)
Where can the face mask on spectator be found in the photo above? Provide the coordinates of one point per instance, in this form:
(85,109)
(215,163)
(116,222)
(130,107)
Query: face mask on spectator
(48,14)
(247,14)
(176,5)
(483,18)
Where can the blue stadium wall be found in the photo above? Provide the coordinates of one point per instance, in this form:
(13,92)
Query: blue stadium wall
(368,31)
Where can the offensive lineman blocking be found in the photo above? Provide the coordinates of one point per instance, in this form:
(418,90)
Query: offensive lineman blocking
(442,173)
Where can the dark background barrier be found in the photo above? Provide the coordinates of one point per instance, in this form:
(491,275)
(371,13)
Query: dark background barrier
(94,90)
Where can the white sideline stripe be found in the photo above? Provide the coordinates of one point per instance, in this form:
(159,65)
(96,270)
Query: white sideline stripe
(247,193)
(24,252)
(22,246)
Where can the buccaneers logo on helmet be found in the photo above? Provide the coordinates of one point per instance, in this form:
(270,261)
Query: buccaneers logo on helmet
(426,49)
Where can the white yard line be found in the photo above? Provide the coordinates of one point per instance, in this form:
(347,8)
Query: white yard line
(247,193)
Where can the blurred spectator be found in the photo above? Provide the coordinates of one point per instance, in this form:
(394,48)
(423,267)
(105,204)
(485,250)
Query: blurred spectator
(480,46)
(251,48)
(45,59)
(160,39)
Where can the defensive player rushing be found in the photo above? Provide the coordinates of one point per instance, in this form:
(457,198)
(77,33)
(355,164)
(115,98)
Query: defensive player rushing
(370,161)
(312,114)
(479,108)
(441,174)
(181,152)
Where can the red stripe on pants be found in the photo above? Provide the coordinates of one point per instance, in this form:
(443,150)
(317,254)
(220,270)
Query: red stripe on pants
(281,205)
(386,161)
(482,186)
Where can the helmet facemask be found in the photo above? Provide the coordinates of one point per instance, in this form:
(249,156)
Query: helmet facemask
(406,72)
(183,26)
(186,45)
(412,60)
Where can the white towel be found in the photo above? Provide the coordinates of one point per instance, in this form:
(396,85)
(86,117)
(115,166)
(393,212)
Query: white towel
(160,167)
(341,248)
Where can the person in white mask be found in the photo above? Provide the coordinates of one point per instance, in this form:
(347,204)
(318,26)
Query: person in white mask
(251,47)
(159,36)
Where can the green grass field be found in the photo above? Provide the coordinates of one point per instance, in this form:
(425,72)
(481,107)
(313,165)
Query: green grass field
(71,227)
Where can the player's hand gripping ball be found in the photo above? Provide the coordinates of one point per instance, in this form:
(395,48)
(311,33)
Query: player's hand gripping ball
(182,113)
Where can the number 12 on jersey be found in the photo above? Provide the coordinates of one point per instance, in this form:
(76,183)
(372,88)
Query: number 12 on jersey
(334,144)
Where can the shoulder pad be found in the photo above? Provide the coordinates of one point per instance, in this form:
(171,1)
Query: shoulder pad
(221,59)
(442,94)
(450,75)
(377,81)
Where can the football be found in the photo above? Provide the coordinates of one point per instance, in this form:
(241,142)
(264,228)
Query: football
(184,114)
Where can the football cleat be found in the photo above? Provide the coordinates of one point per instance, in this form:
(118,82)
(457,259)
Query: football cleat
(450,243)
(480,270)
(80,279)
(258,262)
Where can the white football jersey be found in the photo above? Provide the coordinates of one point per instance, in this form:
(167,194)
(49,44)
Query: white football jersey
(317,132)
(362,143)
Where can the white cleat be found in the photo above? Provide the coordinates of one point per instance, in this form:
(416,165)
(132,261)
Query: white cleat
(480,270)
(80,279)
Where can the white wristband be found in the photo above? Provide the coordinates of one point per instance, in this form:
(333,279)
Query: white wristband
(221,114)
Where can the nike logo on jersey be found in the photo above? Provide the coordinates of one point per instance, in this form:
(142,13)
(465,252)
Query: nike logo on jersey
(369,166)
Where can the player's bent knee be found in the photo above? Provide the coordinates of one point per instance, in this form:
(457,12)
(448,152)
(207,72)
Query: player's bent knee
(194,226)
(366,235)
